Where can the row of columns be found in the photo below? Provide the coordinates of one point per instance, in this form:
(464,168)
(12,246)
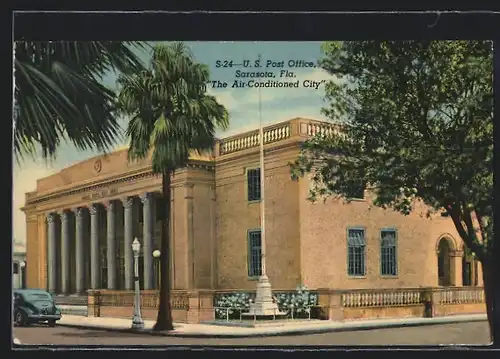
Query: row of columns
(111,254)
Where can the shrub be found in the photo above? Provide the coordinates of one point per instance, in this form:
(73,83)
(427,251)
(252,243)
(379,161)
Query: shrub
(301,300)
(231,300)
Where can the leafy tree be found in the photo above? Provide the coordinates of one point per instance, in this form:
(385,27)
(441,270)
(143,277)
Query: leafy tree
(59,95)
(416,124)
(171,115)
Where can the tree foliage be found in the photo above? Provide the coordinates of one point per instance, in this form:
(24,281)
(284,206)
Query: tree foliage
(170,111)
(171,116)
(416,124)
(59,95)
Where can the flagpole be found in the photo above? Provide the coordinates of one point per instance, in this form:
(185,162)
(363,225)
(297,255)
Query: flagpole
(262,194)
(264,305)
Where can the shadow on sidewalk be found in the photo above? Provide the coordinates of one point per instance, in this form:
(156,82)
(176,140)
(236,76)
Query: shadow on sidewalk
(97,333)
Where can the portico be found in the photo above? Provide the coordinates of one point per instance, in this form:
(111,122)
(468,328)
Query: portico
(82,221)
(108,262)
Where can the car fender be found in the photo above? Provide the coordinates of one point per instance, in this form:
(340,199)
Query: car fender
(26,311)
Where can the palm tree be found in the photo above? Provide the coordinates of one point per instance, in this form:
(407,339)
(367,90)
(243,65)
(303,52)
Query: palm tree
(58,94)
(171,115)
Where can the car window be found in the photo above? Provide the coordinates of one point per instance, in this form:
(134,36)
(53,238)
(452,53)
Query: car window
(37,296)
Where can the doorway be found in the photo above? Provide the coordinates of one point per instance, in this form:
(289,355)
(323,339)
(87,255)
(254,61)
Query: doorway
(444,263)
(469,268)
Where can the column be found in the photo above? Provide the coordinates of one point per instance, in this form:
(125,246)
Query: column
(128,232)
(79,251)
(456,268)
(147,233)
(95,272)
(111,245)
(65,248)
(189,216)
(52,253)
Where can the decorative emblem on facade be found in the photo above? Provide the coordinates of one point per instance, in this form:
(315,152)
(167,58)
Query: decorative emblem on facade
(98,166)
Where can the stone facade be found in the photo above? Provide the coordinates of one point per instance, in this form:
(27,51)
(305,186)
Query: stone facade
(211,217)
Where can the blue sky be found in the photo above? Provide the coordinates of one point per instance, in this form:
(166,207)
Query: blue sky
(278,104)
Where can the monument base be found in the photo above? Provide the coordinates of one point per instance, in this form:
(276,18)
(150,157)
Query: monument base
(264,305)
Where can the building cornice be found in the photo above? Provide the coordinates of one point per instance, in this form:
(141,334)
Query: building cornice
(140,174)
(229,151)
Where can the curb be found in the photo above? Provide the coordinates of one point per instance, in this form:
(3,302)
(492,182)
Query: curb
(290,332)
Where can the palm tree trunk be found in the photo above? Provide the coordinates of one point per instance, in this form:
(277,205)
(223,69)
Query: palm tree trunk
(164,320)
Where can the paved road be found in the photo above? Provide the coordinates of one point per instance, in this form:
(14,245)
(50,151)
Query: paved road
(459,333)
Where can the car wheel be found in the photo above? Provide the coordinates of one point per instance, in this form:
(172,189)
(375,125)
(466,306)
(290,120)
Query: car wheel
(20,319)
(52,323)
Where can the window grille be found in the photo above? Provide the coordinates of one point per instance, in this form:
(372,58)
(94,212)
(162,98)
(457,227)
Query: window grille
(388,255)
(356,252)
(254,254)
(253,183)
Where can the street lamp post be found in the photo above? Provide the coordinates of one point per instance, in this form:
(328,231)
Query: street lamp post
(156,256)
(137,322)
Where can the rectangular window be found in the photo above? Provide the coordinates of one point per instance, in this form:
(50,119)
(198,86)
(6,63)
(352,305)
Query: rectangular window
(356,189)
(388,255)
(253,184)
(254,254)
(16,268)
(356,252)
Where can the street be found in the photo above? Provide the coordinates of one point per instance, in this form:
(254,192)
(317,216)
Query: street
(458,333)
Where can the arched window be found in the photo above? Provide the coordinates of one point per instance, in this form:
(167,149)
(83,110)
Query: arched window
(444,265)
(441,264)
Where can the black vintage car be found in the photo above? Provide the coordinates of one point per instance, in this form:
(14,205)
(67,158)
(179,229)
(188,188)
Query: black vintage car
(34,306)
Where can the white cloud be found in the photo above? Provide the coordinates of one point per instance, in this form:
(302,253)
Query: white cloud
(225,97)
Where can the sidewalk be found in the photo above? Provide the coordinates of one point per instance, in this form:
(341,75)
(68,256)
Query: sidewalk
(290,328)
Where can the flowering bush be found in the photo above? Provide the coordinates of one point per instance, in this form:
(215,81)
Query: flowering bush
(301,300)
(232,300)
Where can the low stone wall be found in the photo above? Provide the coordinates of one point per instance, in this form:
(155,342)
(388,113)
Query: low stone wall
(450,301)
(400,303)
(80,310)
(198,306)
(410,311)
(187,306)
